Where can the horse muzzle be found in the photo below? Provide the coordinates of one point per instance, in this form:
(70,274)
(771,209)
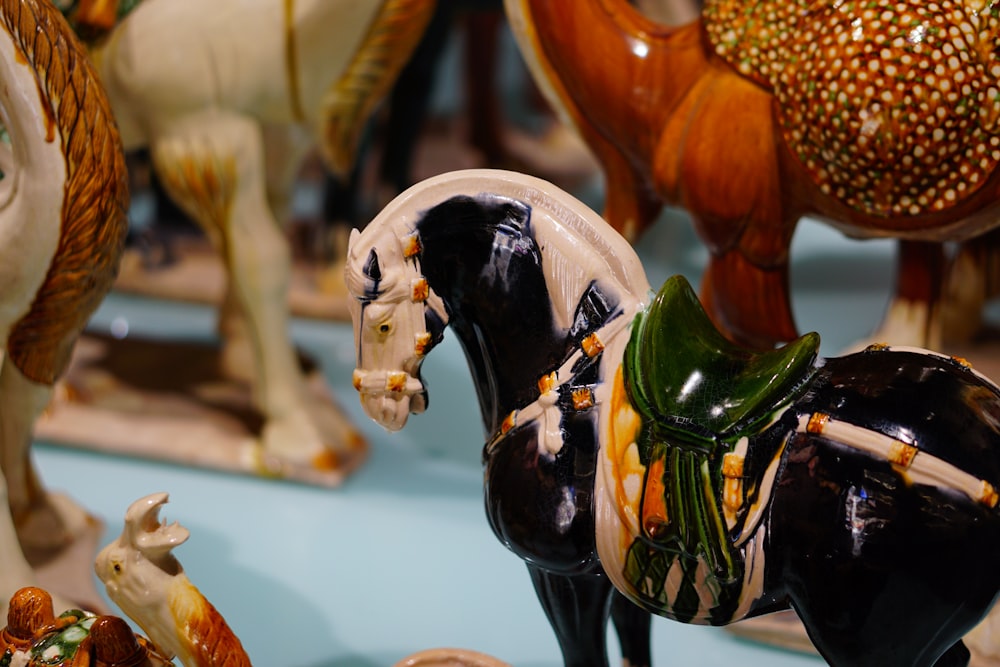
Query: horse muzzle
(388,397)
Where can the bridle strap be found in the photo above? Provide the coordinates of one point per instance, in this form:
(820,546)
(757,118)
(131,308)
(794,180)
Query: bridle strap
(419,296)
(546,405)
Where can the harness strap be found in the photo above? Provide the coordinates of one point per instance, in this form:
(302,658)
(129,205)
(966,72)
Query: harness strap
(546,406)
(905,458)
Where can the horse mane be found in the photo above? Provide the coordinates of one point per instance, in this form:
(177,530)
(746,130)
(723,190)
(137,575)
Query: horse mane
(94,220)
(561,225)
(387,45)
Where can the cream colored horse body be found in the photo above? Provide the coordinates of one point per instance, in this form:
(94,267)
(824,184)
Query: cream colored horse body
(23,201)
(217,90)
(62,228)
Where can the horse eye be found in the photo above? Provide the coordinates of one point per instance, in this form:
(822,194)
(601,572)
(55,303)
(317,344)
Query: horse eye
(384,328)
(117,568)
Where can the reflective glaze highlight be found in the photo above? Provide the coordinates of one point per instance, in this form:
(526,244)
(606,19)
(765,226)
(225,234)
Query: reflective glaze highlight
(629,443)
(879,118)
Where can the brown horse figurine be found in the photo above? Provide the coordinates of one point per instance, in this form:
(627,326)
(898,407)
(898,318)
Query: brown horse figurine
(880,118)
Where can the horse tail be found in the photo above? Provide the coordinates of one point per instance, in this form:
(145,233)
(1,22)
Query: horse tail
(385,49)
(95,192)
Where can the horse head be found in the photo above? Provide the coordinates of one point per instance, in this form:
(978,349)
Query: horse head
(397,320)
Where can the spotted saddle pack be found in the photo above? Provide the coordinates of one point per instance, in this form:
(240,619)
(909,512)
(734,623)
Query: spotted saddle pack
(891,106)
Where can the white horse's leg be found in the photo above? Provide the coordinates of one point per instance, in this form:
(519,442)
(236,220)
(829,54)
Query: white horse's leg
(44,520)
(285,148)
(15,572)
(212,163)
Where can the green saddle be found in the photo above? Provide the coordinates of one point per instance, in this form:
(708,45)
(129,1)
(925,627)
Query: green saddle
(680,367)
(698,394)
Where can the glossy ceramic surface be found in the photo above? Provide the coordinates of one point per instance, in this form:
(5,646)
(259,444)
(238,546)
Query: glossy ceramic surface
(629,442)
(228,110)
(879,117)
(312,565)
(63,201)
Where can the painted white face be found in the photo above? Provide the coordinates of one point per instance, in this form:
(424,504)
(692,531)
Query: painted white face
(390,330)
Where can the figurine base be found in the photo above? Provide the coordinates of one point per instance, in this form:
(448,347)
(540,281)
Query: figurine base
(195,274)
(165,401)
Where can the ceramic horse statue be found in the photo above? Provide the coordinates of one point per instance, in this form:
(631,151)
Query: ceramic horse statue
(228,97)
(880,119)
(63,203)
(633,451)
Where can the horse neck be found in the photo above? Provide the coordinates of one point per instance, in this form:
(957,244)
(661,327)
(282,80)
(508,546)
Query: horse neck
(630,85)
(506,318)
(509,340)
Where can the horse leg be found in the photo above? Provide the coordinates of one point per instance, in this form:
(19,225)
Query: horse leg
(577,608)
(749,303)
(285,148)
(972,279)
(212,164)
(44,521)
(632,624)
(630,203)
(912,317)
(15,573)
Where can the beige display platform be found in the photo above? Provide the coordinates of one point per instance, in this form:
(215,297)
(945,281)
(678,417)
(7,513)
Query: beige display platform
(165,401)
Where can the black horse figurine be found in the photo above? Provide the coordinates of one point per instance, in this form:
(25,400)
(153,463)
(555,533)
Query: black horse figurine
(632,448)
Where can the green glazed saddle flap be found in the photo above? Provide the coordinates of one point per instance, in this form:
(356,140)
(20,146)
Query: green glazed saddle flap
(679,367)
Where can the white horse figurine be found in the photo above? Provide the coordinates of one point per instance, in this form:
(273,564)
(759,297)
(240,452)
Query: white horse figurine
(63,203)
(229,96)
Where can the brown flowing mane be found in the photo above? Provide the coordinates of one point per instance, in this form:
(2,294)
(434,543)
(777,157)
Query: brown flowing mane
(93,225)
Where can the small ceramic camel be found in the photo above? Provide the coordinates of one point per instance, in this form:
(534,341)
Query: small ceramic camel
(880,118)
(229,96)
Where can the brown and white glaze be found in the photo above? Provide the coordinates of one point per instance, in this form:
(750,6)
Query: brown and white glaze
(879,118)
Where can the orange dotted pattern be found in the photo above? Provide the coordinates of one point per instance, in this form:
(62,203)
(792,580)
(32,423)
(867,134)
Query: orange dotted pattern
(891,105)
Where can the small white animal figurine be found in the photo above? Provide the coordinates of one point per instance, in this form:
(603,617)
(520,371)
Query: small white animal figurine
(229,96)
(63,203)
(147,582)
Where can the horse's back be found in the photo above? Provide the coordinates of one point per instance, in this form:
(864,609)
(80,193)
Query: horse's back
(169,58)
(861,535)
(936,403)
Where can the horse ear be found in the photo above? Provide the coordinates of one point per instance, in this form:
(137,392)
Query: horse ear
(372,269)
(355,235)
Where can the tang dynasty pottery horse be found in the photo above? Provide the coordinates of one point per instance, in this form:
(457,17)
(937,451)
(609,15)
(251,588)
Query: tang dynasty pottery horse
(63,203)
(877,117)
(634,455)
(228,96)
